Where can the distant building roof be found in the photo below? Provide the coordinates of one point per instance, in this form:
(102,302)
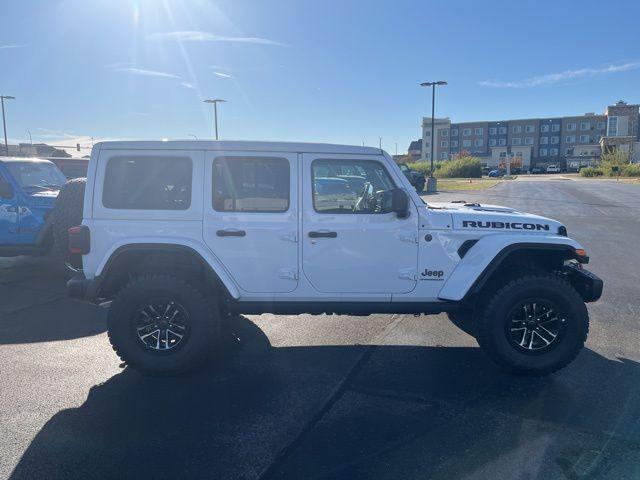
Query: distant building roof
(415,145)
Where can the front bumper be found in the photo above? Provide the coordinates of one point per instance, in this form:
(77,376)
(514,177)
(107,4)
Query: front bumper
(588,285)
(82,288)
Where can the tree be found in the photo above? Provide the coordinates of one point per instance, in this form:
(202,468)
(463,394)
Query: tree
(616,157)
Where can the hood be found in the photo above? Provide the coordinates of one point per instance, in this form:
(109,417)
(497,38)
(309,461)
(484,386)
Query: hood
(482,217)
(42,198)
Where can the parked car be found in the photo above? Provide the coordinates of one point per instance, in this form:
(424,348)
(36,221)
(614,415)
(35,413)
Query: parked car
(495,173)
(536,170)
(553,169)
(417,179)
(294,241)
(34,215)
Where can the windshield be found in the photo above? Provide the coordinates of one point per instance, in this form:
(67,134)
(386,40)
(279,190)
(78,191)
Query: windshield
(403,167)
(37,175)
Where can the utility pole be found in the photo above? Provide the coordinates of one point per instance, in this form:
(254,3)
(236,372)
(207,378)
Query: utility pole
(215,102)
(4,122)
(431,181)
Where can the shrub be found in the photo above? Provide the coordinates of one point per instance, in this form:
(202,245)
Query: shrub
(463,167)
(591,172)
(631,170)
(425,167)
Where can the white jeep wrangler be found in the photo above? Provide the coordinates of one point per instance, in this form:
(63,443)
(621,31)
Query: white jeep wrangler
(178,235)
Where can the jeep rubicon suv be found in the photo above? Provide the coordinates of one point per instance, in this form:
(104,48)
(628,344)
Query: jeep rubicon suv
(179,235)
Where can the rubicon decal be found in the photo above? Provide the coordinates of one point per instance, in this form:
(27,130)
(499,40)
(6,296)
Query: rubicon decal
(506,225)
(432,274)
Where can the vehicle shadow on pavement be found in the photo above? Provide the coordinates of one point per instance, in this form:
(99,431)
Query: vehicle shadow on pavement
(345,412)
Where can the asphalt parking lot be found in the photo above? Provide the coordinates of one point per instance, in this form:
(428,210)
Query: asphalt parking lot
(329,396)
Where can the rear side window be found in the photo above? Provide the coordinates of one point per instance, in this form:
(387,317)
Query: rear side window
(148,183)
(250,184)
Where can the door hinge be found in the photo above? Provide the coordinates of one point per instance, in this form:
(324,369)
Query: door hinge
(408,274)
(408,237)
(288,273)
(290,237)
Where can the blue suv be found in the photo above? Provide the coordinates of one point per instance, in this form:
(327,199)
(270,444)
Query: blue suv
(29,188)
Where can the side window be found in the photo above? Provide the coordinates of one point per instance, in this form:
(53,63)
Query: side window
(6,190)
(350,186)
(148,183)
(251,184)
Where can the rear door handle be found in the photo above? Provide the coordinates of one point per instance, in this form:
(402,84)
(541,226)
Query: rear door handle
(323,234)
(231,233)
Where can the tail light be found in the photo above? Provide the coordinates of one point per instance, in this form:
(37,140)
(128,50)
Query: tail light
(79,240)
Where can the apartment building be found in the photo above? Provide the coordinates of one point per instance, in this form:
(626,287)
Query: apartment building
(566,141)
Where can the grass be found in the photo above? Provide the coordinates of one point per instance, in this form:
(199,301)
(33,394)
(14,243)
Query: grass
(455,184)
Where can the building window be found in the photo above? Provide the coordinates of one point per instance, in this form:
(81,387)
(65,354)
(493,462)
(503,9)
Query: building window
(503,154)
(502,130)
(443,155)
(493,130)
(528,140)
(518,154)
(444,144)
(543,152)
(454,143)
(544,128)
(427,133)
(544,140)
(454,132)
(571,126)
(568,151)
(570,139)
(516,141)
(601,126)
(529,129)
(251,184)
(584,138)
(517,129)
(444,133)
(612,127)
(502,142)
(466,132)
(555,127)
(492,142)
(479,131)
(555,140)
(478,142)
(585,125)
(553,152)
(466,143)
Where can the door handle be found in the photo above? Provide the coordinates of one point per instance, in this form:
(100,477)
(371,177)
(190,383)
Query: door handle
(231,233)
(323,234)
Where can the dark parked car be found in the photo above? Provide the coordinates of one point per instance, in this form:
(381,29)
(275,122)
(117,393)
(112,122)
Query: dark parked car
(416,178)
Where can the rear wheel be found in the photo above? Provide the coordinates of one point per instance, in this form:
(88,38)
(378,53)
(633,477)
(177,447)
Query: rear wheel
(162,325)
(533,325)
(420,186)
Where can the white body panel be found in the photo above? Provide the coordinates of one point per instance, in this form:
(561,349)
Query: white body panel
(373,258)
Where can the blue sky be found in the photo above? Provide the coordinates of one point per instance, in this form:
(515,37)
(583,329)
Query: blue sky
(314,70)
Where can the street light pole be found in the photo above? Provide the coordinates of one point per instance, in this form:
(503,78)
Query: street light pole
(431,181)
(4,122)
(215,102)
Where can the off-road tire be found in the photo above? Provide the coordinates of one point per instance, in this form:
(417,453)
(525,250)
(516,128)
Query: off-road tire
(491,321)
(464,320)
(67,213)
(204,321)
(420,187)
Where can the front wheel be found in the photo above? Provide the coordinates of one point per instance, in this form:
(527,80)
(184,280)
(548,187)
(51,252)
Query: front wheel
(420,187)
(162,325)
(534,325)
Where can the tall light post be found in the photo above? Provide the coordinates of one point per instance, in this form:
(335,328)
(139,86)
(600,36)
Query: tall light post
(431,181)
(215,102)
(4,122)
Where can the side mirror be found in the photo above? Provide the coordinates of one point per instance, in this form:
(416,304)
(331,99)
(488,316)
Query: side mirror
(400,202)
(6,190)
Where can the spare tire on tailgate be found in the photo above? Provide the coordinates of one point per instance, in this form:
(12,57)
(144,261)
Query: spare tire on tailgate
(66,214)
